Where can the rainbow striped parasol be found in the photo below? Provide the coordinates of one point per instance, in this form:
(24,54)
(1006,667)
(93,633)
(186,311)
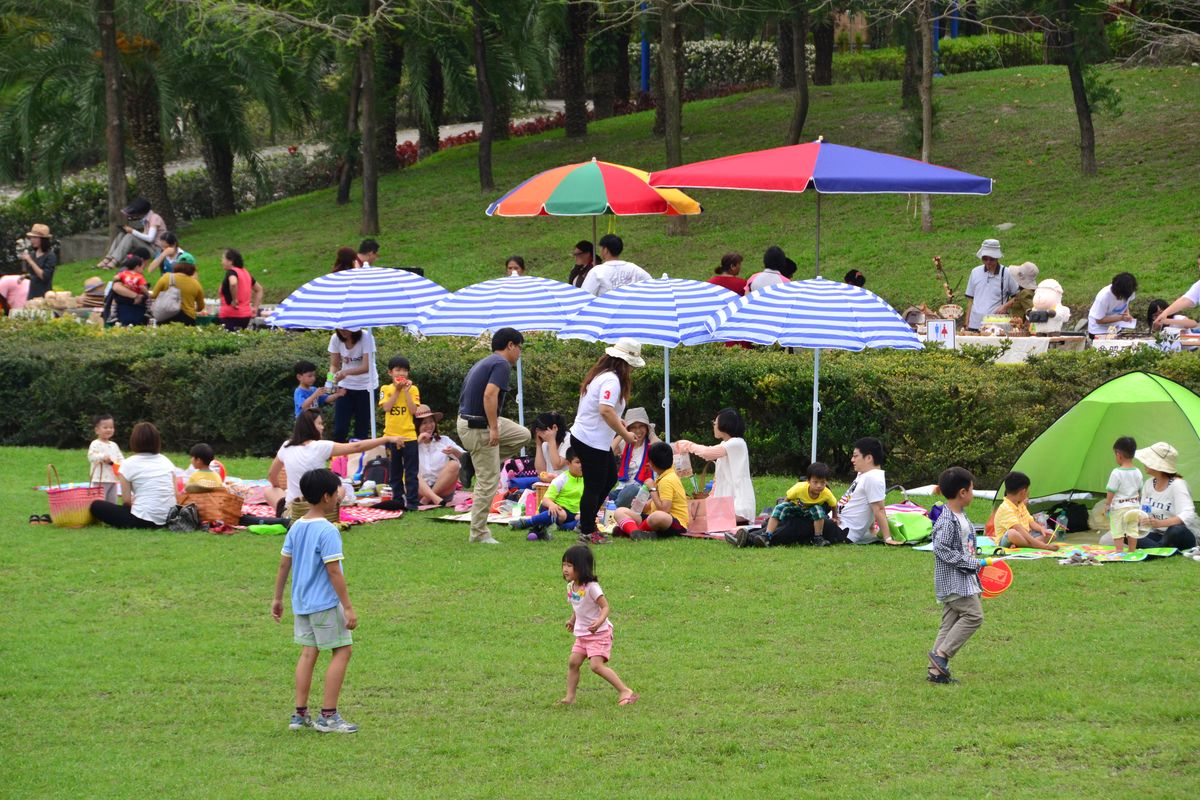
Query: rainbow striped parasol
(588,189)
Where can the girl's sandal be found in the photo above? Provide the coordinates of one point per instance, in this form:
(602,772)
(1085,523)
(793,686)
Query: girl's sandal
(35,519)
(46,520)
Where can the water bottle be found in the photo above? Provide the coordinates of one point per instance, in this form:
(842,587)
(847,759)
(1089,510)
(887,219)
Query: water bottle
(639,501)
(330,383)
(610,513)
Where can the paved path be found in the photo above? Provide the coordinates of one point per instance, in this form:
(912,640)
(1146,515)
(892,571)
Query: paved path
(549,107)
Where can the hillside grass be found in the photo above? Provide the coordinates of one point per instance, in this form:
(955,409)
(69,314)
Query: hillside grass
(1016,126)
(140,664)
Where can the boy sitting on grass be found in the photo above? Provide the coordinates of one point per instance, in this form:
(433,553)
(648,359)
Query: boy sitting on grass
(1015,526)
(805,508)
(561,502)
(312,554)
(666,514)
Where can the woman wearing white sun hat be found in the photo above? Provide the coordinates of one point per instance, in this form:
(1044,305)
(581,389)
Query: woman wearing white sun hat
(1166,500)
(603,395)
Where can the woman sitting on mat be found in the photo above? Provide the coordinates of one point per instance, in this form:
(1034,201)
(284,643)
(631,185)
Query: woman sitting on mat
(733,462)
(633,463)
(1172,516)
(147,481)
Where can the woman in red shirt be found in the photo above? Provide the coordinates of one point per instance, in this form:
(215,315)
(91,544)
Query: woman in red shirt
(240,294)
(727,273)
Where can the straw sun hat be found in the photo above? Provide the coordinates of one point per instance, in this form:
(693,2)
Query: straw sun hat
(1159,456)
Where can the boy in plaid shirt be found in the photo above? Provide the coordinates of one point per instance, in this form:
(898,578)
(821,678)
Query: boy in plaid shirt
(955,572)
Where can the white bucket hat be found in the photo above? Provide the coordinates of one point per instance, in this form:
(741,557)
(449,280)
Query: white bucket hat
(1159,456)
(1025,275)
(638,414)
(628,350)
(990,247)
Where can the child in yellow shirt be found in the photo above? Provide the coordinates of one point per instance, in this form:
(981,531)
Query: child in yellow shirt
(1015,526)
(399,400)
(667,512)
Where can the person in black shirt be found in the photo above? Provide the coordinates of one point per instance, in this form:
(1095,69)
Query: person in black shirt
(39,261)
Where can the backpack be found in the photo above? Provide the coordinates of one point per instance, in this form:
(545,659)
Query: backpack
(378,469)
(183,519)
(169,302)
(1074,516)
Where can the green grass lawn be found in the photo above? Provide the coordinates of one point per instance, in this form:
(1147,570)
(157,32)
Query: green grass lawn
(1017,126)
(139,664)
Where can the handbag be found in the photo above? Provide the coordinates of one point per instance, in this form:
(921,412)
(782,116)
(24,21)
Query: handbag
(71,507)
(183,519)
(169,302)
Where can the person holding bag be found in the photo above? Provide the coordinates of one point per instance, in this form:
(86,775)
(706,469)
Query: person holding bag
(178,296)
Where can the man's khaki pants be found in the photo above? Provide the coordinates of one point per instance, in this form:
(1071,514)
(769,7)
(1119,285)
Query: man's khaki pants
(487,460)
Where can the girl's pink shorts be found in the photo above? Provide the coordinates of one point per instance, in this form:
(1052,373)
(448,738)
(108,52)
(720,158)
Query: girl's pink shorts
(594,644)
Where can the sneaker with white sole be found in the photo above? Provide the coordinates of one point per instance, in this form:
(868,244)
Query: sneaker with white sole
(489,539)
(299,722)
(334,724)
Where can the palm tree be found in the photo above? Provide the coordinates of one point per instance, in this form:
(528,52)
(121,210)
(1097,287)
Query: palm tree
(572,55)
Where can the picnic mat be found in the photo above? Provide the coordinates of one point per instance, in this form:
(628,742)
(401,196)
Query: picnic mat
(351,515)
(1101,552)
(503,519)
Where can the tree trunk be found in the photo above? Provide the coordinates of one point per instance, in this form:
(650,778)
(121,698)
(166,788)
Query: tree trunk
(660,118)
(487,104)
(218,162)
(429,123)
(672,98)
(1067,41)
(349,158)
(388,84)
(114,134)
(823,46)
(572,65)
(141,111)
(800,64)
(621,85)
(370,167)
(786,78)
(910,89)
(925,24)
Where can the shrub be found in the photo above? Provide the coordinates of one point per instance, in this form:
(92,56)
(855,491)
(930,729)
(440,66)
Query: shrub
(886,64)
(931,408)
(991,51)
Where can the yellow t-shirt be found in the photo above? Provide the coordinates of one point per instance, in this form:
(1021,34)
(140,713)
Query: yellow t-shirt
(799,494)
(398,421)
(1010,514)
(191,293)
(670,490)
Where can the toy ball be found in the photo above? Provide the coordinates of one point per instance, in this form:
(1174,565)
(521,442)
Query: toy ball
(217,467)
(533,537)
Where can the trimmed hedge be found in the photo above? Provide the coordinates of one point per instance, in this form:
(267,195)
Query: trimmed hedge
(931,408)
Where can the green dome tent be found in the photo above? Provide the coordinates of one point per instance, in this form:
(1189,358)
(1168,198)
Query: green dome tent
(1075,453)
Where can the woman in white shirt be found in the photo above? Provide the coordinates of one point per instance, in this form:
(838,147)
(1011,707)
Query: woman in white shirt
(306,451)
(732,477)
(1167,500)
(130,237)
(147,484)
(602,397)
(352,362)
(438,458)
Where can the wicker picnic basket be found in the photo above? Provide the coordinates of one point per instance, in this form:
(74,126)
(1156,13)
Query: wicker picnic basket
(70,507)
(700,492)
(220,505)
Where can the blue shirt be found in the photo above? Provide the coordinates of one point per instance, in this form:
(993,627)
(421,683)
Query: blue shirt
(311,544)
(301,394)
(168,263)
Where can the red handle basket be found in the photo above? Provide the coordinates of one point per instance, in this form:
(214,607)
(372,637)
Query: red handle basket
(70,508)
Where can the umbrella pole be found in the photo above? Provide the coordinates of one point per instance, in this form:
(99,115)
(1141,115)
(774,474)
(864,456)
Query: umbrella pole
(818,250)
(595,252)
(667,393)
(520,398)
(816,405)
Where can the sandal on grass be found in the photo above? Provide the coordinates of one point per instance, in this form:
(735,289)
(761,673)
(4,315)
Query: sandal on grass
(35,519)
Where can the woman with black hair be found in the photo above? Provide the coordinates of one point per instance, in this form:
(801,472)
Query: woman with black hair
(727,273)
(240,294)
(732,477)
(352,362)
(39,261)
(151,226)
(550,432)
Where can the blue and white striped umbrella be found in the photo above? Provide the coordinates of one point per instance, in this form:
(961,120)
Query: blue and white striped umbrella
(524,302)
(367,297)
(666,312)
(815,314)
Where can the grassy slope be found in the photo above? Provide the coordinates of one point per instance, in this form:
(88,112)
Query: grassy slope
(1016,125)
(146,664)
